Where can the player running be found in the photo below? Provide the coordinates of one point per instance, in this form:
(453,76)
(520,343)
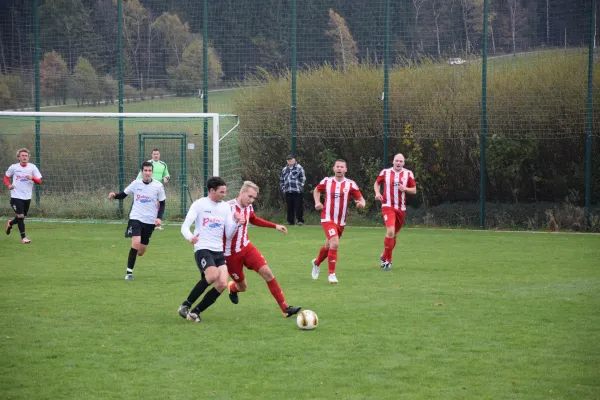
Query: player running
(239,252)
(338,191)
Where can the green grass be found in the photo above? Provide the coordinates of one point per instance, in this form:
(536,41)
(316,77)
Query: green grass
(462,315)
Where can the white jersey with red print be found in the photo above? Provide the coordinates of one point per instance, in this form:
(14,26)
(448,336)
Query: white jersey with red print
(337,197)
(240,240)
(392,196)
(23,186)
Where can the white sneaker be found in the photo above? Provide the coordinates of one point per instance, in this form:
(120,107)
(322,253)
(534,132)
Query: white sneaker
(160,228)
(332,278)
(315,270)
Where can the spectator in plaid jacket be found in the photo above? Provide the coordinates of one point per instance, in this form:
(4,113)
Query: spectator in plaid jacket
(292,185)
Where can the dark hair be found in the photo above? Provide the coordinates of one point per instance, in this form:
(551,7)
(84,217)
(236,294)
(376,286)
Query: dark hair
(147,164)
(340,160)
(214,183)
(153,150)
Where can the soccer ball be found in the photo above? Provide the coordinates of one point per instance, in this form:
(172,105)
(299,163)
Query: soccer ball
(307,320)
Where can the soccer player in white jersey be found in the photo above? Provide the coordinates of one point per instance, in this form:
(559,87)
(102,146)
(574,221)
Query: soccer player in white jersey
(160,172)
(24,175)
(338,191)
(240,253)
(146,213)
(213,221)
(397,181)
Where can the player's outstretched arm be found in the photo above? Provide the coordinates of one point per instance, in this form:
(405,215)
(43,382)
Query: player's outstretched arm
(117,196)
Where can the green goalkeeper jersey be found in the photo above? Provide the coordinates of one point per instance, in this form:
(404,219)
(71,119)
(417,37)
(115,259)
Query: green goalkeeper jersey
(159,171)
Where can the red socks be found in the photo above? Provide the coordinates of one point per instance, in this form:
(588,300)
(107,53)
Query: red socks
(332,260)
(277,293)
(322,255)
(388,247)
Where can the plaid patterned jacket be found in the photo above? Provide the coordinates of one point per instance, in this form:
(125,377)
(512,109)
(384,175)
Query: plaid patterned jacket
(292,179)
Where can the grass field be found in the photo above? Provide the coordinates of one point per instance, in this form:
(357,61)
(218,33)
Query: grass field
(462,315)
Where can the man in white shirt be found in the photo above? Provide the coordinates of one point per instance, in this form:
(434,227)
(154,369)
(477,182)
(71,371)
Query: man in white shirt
(24,175)
(146,213)
(213,218)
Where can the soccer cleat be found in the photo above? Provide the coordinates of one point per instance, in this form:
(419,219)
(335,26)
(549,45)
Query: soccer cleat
(193,317)
(300,223)
(8,227)
(315,269)
(25,241)
(129,277)
(291,310)
(332,278)
(382,261)
(183,311)
(387,266)
(160,228)
(233,296)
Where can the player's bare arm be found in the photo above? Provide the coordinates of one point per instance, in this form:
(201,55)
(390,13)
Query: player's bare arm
(360,203)
(317,197)
(377,187)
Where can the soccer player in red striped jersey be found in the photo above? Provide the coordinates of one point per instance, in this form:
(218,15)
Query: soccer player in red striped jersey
(239,252)
(338,190)
(397,182)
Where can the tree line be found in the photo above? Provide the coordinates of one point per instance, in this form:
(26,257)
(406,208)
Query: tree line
(163,46)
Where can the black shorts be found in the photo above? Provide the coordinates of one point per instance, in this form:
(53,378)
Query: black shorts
(137,228)
(208,258)
(20,206)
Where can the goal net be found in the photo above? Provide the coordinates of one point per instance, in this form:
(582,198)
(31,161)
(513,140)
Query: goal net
(84,156)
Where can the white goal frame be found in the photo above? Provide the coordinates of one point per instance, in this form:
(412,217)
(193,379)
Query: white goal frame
(112,115)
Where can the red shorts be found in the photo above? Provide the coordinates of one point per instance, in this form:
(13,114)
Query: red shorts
(332,229)
(249,257)
(393,217)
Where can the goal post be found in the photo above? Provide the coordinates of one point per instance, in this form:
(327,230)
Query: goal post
(85,155)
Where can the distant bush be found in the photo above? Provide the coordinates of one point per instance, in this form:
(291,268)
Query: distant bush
(536,127)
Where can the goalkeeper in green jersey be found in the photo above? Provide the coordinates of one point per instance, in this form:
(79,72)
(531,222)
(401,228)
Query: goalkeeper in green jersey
(160,172)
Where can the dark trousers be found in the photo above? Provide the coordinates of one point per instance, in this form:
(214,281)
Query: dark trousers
(294,205)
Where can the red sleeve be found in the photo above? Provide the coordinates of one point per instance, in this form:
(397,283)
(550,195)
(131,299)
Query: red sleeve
(254,220)
(411,182)
(357,194)
(321,187)
(37,180)
(380,179)
(6,180)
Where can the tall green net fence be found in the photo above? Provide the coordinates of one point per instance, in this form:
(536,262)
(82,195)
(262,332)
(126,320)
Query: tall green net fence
(509,122)
(83,157)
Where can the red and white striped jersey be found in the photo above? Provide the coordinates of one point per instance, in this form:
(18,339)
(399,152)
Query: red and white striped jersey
(240,240)
(337,197)
(392,196)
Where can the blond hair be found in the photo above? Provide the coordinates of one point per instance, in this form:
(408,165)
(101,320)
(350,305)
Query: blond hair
(248,184)
(22,150)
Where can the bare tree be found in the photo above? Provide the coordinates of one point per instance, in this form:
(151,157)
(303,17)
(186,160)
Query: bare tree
(3,65)
(512,15)
(548,22)
(472,18)
(418,4)
(436,7)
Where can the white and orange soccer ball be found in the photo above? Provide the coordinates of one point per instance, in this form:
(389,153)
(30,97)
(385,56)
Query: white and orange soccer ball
(307,320)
